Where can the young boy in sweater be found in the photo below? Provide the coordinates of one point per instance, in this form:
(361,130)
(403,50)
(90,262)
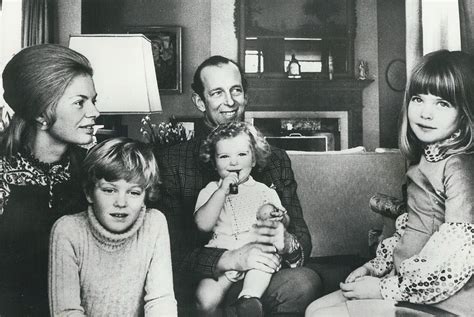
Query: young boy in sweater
(113,259)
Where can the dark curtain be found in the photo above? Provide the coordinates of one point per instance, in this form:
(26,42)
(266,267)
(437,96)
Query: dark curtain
(466,17)
(37,22)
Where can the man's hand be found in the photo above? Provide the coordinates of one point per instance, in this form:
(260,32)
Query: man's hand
(366,287)
(270,212)
(251,256)
(273,233)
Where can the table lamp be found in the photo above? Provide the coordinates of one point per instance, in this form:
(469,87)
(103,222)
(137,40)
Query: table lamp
(124,72)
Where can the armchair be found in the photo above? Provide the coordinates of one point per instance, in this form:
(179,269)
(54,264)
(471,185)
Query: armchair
(389,208)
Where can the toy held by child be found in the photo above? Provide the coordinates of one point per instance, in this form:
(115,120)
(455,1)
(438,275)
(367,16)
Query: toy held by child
(113,259)
(429,261)
(235,149)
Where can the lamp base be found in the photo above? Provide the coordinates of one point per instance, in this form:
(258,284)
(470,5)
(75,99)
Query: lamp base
(112,127)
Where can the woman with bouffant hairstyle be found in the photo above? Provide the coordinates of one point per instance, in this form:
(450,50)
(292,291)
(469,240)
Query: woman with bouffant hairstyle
(50,89)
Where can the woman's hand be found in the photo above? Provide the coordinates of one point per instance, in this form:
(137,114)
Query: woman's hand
(364,270)
(365,287)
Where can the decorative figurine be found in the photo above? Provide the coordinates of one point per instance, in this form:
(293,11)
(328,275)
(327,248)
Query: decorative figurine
(363,70)
(330,66)
(294,68)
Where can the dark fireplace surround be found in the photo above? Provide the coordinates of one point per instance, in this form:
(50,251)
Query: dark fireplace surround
(282,94)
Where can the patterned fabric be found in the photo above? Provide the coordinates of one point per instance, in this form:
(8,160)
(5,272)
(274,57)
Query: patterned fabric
(387,206)
(183,176)
(439,271)
(430,257)
(29,171)
(34,196)
(382,264)
(435,152)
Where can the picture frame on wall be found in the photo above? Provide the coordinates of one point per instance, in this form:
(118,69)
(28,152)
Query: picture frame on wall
(167,54)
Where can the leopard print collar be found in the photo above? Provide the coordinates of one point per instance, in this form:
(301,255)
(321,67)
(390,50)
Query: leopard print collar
(437,151)
(25,170)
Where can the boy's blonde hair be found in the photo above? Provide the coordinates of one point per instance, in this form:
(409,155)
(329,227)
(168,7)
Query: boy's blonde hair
(122,158)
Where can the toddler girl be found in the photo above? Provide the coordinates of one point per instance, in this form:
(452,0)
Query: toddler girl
(429,260)
(113,259)
(234,149)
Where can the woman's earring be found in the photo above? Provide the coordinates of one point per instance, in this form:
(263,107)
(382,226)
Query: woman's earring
(44,124)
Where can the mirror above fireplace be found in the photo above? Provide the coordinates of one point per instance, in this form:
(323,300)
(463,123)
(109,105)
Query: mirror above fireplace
(317,32)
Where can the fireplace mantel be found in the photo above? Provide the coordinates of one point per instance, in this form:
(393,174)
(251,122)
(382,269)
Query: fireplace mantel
(282,94)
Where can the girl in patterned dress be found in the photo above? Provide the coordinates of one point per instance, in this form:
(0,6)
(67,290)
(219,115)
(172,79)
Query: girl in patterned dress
(429,260)
(234,149)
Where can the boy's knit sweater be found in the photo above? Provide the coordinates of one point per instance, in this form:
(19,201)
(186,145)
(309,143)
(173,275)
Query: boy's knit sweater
(95,272)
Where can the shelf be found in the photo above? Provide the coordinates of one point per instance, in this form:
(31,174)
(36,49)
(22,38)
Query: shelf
(276,82)
(295,38)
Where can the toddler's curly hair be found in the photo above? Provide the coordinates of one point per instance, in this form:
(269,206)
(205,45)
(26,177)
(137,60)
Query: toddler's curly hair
(259,146)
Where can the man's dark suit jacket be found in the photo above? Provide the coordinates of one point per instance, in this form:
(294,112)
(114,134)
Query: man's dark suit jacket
(183,175)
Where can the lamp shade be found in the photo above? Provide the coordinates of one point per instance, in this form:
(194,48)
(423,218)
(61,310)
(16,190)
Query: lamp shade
(124,71)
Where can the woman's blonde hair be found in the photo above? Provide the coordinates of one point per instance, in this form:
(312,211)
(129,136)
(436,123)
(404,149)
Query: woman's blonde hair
(33,82)
(122,158)
(449,75)
(259,146)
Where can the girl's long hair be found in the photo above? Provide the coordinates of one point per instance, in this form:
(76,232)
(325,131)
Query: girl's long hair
(33,81)
(449,75)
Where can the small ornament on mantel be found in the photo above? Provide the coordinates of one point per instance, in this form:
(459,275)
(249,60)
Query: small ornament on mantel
(363,70)
(330,66)
(294,68)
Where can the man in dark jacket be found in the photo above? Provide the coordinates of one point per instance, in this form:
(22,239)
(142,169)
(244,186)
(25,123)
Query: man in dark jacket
(220,92)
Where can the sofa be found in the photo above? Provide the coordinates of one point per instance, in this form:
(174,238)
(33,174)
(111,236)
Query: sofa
(334,189)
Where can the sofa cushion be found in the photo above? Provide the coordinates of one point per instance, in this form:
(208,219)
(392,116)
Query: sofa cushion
(334,191)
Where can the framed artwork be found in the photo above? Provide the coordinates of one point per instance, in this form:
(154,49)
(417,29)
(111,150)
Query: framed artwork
(166,46)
